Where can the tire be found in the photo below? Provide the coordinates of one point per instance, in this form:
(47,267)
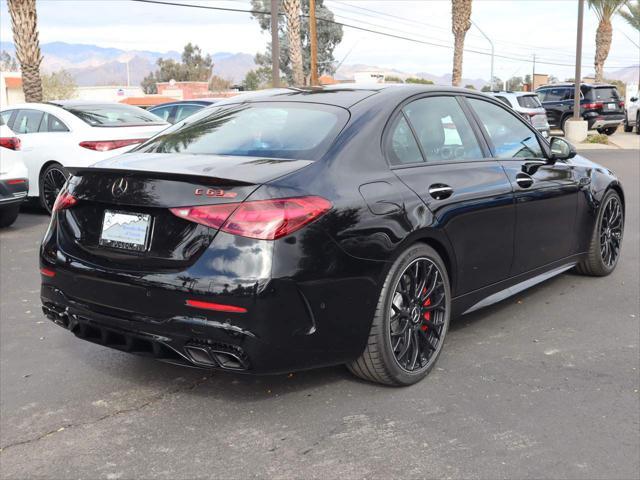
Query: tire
(51,182)
(638,124)
(8,215)
(563,124)
(627,128)
(610,131)
(600,131)
(595,263)
(422,323)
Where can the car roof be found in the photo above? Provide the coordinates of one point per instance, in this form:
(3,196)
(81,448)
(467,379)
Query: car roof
(199,101)
(343,95)
(77,103)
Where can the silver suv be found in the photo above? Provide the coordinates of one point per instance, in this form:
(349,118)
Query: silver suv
(528,105)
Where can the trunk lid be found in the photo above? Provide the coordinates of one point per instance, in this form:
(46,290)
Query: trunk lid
(149,185)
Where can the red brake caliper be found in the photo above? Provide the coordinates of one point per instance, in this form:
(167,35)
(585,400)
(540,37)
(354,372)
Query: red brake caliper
(427,315)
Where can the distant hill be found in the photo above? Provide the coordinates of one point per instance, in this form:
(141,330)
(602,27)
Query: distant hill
(93,65)
(346,72)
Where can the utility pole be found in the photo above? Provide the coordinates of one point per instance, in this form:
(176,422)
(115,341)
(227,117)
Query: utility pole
(576,91)
(275,45)
(313,40)
(533,73)
(492,51)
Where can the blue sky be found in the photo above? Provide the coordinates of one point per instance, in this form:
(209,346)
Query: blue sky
(519,28)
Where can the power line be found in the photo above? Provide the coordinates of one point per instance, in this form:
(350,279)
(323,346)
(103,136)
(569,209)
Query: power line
(355,27)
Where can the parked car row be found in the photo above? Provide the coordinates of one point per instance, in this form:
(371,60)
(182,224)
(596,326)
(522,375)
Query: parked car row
(528,105)
(57,135)
(14,181)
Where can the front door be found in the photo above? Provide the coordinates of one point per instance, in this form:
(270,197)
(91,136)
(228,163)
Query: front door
(546,195)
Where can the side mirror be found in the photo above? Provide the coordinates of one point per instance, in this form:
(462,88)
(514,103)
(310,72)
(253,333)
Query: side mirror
(561,149)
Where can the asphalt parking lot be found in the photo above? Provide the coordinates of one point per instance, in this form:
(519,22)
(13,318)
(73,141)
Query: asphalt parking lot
(542,385)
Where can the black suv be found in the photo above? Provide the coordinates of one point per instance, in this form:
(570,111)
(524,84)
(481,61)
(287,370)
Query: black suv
(600,105)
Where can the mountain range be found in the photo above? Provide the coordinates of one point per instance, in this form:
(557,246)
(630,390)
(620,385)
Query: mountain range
(94,65)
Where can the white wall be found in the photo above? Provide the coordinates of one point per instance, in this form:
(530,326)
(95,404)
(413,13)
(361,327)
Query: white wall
(111,93)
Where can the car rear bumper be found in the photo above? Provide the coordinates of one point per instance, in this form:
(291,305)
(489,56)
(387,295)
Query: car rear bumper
(605,121)
(13,191)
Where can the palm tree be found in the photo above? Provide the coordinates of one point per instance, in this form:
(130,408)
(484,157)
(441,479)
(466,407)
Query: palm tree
(605,10)
(24,22)
(632,15)
(460,23)
(292,11)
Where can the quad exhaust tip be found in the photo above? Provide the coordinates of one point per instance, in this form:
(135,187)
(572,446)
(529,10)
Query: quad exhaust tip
(212,357)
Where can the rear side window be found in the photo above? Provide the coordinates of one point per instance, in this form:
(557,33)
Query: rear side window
(403,148)
(113,115)
(529,101)
(604,93)
(442,129)
(511,138)
(266,129)
(183,111)
(27,121)
(6,116)
(163,112)
(51,123)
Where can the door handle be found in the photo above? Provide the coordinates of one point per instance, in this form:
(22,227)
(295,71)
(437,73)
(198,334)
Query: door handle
(440,191)
(523,180)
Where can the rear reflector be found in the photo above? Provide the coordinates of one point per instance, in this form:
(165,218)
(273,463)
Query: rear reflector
(12,143)
(17,181)
(218,307)
(64,200)
(47,272)
(261,219)
(106,145)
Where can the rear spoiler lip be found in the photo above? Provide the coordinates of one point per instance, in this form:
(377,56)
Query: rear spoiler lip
(202,179)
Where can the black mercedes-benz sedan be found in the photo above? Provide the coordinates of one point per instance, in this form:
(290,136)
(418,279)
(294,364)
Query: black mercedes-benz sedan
(297,228)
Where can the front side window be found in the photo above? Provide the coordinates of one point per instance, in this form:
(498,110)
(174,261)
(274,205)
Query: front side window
(263,129)
(442,129)
(27,121)
(113,115)
(511,138)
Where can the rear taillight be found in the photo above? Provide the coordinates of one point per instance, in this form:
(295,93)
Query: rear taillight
(64,200)
(106,145)
(592,106)
(261,219)
(621,104)
(12,143)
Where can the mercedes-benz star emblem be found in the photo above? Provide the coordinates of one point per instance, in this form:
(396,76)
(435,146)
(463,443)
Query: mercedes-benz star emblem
(119,187)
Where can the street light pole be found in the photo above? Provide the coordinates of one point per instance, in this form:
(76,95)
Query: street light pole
(492,51)
(576,91)
(275,45)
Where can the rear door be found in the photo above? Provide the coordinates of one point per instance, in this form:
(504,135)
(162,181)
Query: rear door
(546,195)
(557,102)
(433,148)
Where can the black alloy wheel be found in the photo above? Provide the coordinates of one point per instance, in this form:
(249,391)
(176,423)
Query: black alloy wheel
(52,180)
(611,231)
(417,315)
(411,320)
(606,241)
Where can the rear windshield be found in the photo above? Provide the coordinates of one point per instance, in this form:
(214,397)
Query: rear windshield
(604,93)
(113,115)
(529,101)
(270,129)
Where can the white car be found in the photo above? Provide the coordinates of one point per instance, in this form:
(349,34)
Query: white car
(74,133)
(13,176)
(632,114)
